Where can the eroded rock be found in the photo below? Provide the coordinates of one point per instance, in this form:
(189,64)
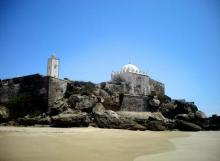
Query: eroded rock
(77,119)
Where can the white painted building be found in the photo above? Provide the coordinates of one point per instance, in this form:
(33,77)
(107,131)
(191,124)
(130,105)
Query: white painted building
(136,82)
(53,67)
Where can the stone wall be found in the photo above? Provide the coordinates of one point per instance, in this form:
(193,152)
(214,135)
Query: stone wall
(24,95)
(134,103)
(157,87)
(31,94)
(137,84)
(134,84)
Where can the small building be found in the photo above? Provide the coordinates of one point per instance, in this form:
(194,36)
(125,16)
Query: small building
(53,67)
(136,82)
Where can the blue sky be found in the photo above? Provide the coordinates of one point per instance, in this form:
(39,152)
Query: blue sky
(175,41)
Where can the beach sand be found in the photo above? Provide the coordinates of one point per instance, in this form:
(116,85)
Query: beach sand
(94,144)
(200,146)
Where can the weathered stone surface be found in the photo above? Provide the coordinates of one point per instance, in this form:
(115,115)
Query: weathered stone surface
(185,107)
(156,87)
(171,125)
(151,121)
(72,100)
(182,117)
(44,121)
(173,108)
(97,101)
(98,108)
(155,125)
(102,93)
(164,98)
(56,90)
(113,102)
(79,119)
(213,123)
(168,109)
(187,126)
(134,103)
(9,123)
(200,115)
(136,116)
(4,114)
(29,121)
(86,103)
(110,119)
(59,106)
(154,102)
(80,88)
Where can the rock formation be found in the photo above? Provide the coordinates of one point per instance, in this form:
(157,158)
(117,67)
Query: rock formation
(87,104)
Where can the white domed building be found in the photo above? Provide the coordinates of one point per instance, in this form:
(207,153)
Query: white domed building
(136,82)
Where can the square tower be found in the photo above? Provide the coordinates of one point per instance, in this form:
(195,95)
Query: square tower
(53,67)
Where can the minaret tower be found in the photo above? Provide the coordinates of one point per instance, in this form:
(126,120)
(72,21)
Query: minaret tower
(53,67)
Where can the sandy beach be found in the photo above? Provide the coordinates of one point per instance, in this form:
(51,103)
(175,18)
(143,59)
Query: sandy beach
(94,144)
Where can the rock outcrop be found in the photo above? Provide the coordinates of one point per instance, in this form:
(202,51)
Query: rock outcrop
(75,119)
(86,104)
(34,120)
(111,119)
(4,114)
(151,121)
(187,126)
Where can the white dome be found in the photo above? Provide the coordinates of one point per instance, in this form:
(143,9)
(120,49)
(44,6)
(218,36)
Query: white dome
(130,68)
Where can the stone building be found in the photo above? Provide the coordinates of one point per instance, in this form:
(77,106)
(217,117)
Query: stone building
(133,81)
(53,67)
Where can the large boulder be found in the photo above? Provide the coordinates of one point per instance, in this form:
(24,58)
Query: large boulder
(77,119)
(34,120)
(200,115)
(173,108)
(155,125)
(138,116)
(182,117)
(154,103)
(86,103)
(98,108)
(59,106)
(101,92)
(187,126)
(164,98)
(110,119)
(213,123)
(73,99)
(197,118)
(185,107)
(4,114)
(168,110)
(151,121)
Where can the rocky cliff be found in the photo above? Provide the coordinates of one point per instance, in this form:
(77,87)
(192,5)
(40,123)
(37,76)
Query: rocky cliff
(87,104)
